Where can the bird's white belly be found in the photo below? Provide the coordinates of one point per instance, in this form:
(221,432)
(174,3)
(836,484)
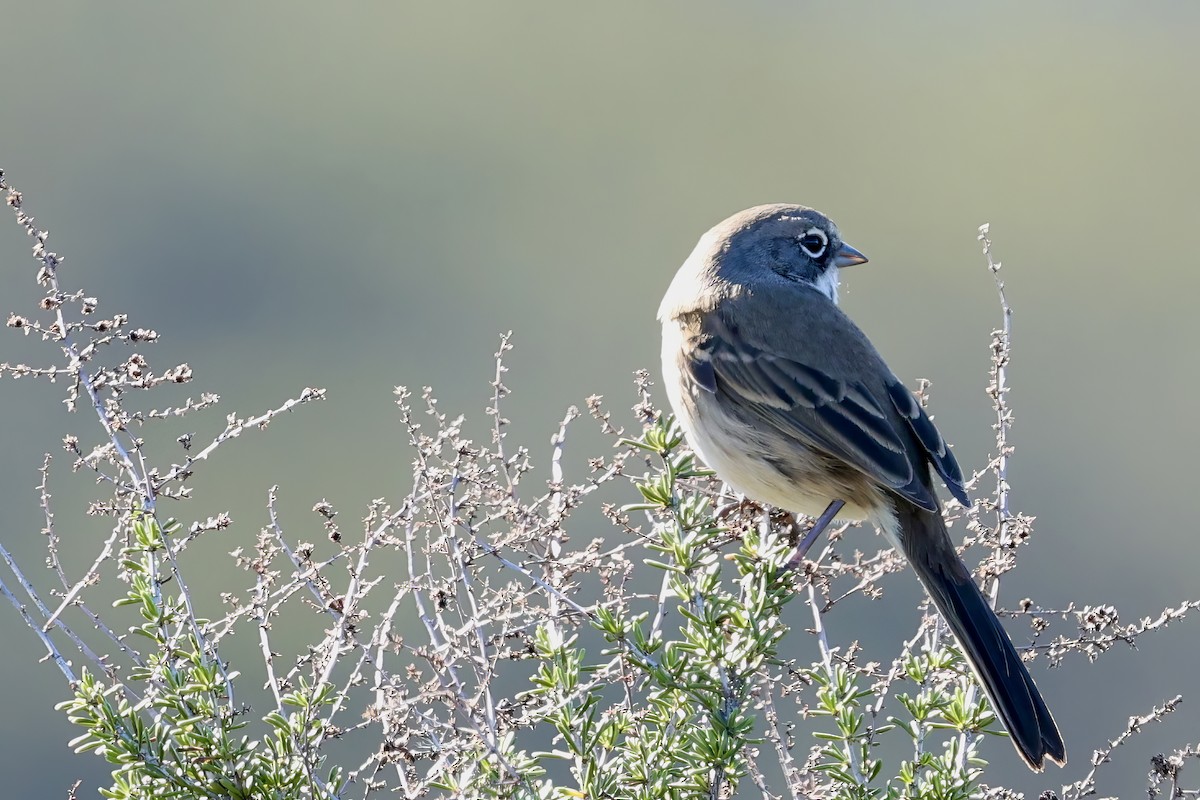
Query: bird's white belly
(754,476)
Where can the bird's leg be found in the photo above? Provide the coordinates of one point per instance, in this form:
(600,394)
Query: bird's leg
(818,527)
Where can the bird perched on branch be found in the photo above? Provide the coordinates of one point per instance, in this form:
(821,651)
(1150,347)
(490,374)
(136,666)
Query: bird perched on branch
(784,396)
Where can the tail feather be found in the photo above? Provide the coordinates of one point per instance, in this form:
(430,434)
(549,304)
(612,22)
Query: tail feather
(1009,687)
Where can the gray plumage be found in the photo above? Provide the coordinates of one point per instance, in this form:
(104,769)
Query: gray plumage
(784,396)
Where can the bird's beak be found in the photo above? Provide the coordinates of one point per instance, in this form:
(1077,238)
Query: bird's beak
(847,256)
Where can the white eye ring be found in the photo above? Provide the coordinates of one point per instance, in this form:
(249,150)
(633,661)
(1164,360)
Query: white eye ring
(807,245)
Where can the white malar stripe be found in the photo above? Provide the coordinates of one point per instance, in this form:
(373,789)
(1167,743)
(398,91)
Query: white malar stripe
(827,284)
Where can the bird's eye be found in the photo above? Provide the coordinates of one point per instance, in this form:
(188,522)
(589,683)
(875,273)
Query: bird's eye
(814,242)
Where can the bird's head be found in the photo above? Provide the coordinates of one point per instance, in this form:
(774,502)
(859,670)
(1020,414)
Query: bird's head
(797,243)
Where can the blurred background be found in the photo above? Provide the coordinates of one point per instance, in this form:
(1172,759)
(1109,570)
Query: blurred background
(359,196)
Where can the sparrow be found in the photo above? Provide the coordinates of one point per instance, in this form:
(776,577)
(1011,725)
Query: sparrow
(790,404)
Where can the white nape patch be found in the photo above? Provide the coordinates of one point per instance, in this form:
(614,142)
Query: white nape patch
(827,283)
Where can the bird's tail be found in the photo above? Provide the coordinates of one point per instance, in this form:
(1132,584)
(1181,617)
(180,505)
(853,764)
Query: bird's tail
(999,668)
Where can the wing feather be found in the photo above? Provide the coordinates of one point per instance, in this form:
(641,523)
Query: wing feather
(874,432)
(935,446)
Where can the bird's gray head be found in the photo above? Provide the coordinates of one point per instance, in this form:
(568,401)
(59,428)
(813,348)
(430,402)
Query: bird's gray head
(794,242)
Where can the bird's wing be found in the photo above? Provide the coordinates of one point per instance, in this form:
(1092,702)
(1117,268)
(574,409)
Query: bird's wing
(877,427)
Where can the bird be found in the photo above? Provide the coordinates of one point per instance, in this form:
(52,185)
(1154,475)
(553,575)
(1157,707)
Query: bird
(787,400)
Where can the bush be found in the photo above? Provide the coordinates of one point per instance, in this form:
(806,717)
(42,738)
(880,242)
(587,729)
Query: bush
(646,662)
